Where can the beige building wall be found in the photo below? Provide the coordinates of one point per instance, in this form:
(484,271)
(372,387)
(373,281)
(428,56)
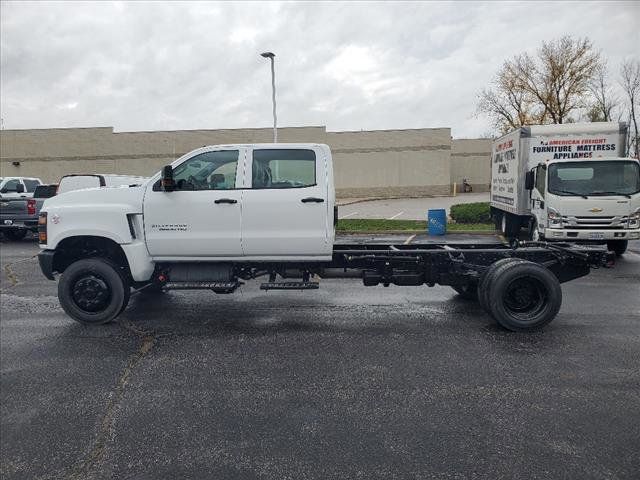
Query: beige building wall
(391,163)
(471,159)
(384,163)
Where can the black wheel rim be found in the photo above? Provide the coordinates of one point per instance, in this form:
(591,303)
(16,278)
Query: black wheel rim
(525,298)
(91,293)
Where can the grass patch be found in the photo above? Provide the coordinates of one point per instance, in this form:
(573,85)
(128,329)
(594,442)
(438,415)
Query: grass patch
(381,225)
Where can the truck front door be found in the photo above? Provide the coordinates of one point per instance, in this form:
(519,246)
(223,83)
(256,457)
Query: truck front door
(285,207)
(201,217)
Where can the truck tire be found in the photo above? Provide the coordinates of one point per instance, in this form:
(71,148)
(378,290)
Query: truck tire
(524,296)
(509,226)
(534,234)
(618,246)
(467,291)
(93,291)
(15,234)
(487,278)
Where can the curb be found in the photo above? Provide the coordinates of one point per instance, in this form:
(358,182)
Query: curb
(396,232)
(340,203)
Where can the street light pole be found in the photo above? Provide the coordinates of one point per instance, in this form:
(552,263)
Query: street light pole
(271,56)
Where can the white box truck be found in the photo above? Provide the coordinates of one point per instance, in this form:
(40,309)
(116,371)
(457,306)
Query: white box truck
(567,182)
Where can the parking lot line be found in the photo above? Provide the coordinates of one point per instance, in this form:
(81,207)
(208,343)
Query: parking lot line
(395,216)
(347,215)
(410,239)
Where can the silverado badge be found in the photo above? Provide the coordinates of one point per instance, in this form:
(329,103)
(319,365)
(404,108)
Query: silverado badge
(595,210)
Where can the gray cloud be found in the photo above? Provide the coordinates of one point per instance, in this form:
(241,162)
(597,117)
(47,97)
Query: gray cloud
(350,66)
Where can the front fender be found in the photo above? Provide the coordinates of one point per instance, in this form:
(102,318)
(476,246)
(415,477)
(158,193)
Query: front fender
(109,221)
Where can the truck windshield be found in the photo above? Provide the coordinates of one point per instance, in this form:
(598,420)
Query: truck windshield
(616,177)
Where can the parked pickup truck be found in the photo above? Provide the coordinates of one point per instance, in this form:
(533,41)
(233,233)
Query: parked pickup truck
(20,215)
(225,214)
(18,187)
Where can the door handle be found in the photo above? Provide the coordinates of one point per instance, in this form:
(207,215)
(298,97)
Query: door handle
(225,200)
(312,199)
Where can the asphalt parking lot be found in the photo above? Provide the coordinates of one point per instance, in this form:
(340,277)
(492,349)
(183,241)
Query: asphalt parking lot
(344,382)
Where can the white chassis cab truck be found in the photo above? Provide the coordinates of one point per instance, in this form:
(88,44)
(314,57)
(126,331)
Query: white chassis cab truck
(567,182)
(225,214)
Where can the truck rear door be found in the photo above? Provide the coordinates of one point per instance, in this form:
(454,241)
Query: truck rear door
(285,203)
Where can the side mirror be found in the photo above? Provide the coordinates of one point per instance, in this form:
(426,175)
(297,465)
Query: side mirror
(19,188)
(4,190)
(529,180)
(167,183)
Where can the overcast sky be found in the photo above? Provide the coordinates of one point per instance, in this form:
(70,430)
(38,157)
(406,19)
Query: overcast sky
(349,66)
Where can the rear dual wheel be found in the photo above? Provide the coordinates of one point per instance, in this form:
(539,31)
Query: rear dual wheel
(520,295)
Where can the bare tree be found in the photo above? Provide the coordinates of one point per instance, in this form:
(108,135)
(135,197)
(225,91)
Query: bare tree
(547,88)
(604,100)
(630,82)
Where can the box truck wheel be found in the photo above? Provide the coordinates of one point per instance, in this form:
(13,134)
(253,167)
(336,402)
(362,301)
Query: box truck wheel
(487,278)
(509,225)
(468,291)
(618,246)
(534,233)
(524,296)
(93,291)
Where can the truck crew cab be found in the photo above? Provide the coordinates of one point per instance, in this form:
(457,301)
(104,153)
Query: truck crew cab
(226,213)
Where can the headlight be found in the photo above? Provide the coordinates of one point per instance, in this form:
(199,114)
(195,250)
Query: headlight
(554,218)
(634,219)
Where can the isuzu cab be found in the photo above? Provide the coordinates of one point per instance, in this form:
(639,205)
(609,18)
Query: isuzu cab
(225,214)
(567,182)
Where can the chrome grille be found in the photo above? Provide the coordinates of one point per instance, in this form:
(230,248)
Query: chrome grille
(576,222)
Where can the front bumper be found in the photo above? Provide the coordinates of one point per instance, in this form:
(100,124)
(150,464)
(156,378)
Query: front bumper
(45,259)
(568,234)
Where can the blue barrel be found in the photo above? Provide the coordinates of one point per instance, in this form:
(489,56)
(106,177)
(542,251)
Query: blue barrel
(437,222)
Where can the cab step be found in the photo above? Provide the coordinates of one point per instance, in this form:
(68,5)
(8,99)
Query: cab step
(290,286)
(217,287)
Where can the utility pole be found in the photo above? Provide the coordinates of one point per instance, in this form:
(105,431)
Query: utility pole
(271,56)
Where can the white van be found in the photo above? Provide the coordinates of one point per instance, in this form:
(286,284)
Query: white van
(72,182)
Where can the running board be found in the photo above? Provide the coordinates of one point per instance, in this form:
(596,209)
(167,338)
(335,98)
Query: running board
(217,287)
(290,286)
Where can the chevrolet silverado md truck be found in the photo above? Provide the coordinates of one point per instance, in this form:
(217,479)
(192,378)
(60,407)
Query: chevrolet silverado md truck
(225,214)
(567,182)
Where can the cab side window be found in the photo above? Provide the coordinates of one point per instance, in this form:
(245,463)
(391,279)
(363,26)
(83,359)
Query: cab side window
(10,185)
(290,168)
(208,171)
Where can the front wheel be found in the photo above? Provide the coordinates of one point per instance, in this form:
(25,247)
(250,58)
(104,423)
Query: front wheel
(618,246)
(534,233)
(93,291)
(468,291)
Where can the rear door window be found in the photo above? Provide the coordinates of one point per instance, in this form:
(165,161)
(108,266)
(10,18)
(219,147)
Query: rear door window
(286,168)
